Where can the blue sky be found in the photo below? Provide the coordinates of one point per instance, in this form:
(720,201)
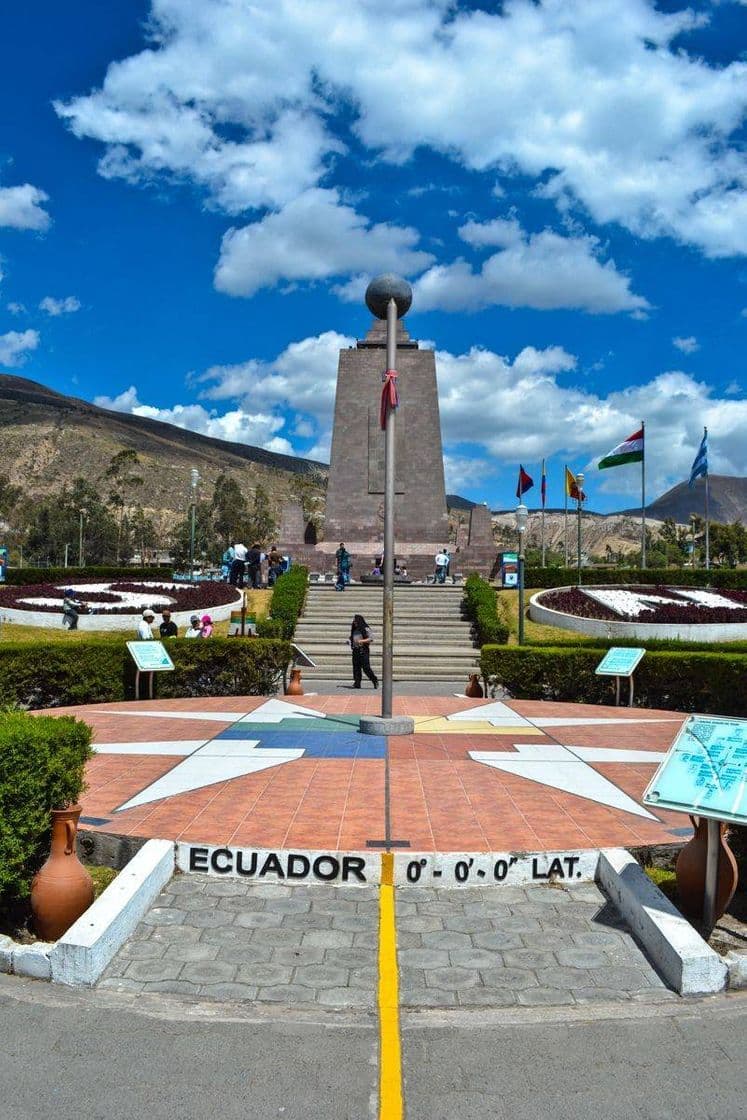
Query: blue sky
(193,194)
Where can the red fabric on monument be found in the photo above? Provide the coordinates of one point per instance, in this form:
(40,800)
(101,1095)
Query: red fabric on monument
(389,396)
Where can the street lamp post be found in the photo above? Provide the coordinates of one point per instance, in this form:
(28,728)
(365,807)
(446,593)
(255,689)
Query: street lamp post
(80,541)
(522,516)
(388,297)
(579,489)
(194,476)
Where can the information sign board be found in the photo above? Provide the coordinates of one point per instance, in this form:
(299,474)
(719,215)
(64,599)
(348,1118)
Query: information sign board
(301,658)
(150,657)
(619,661)
(705,771)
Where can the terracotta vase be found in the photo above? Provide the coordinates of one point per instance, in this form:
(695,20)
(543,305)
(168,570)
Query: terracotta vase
(474,688)
(294,688)
(62,889)
(691,872)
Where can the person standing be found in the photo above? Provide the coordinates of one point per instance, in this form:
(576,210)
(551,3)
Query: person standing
(254,558)
(207,626)
(194,630)
(361,637)
(274,565)
(236,574)
(167,629)
(442,565)
(144,631)
(344,562)
(226,561)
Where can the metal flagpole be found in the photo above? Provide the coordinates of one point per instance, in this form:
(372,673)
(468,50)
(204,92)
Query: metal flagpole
(542,522)
(579,495)
(643,495)
(387,663)
(565,513)
(707,512)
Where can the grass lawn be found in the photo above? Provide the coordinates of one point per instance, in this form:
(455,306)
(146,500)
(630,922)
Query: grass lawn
(533,631)
(257,603)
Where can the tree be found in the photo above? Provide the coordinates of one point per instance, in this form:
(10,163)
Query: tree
(229,510)
(123,481)
(51,523)
(207,544)
(144,535)
(261,523)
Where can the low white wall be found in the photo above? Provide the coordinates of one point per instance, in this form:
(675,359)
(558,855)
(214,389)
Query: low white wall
(53,620)
(603,628)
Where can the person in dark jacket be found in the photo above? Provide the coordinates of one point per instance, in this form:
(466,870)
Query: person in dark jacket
(167,629)
(254,558)
(361,637)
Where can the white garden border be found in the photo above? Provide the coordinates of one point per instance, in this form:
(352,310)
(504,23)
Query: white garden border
(604,628)
(53,620)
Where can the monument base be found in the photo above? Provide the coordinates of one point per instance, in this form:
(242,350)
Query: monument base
(417,557)
(386,725)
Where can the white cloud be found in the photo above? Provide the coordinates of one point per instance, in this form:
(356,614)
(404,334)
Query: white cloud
(687,345)
(314,237)
(514,412)
(256,428)
(600,103)
(57,307)
(15,346)
(21,207)
(16,309)
(543,270)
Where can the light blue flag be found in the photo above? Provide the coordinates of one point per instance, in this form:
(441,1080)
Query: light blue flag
(700,463)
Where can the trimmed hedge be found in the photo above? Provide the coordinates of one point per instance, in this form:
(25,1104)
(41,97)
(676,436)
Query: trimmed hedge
(19,576)
(735,578)
(288,598)
(485,610)
(57,674)
(42,762)
(679,681)
(666,645)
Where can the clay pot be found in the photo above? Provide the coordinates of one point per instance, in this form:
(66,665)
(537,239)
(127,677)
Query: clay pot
(474,688)
(691,872)
(62,889)
(294,687)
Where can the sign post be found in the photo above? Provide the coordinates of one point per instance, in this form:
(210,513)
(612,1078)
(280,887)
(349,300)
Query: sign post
(620,661)
(704,774)
(149,657)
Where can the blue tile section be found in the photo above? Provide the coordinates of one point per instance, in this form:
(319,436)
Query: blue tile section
(315,744)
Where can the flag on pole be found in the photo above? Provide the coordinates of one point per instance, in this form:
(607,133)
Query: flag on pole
(543,485)
(525,482)
(571,487)
(700,464)
(629,451)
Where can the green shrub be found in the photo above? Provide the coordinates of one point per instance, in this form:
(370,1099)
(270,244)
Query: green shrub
(485,610)
(288,597)
(665,645)
(57,674)
(683,577)
(42,762)
(679,681)
(20,576)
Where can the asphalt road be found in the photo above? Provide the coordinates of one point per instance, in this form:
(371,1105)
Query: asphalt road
(106,1056)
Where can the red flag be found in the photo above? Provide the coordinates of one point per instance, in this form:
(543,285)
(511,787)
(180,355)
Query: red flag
(525,482)
(389,396)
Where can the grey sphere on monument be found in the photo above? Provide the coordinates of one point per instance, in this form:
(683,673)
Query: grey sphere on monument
(385,287)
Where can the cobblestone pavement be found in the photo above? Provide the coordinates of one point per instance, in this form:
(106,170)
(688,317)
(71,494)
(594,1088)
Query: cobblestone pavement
(483,947)
(226,939)
(515,946)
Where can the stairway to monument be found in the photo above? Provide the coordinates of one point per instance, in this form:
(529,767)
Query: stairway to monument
(432,639)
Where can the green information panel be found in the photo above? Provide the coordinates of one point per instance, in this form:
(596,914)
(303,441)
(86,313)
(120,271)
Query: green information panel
(150,657)
(619,661)
(705,770)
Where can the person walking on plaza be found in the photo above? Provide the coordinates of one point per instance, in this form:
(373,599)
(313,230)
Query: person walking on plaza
(361,637)
(144,631)
(442,566)
(236,573)
(167,629)
(254,558)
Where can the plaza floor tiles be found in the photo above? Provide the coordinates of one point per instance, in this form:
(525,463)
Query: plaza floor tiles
(474,776)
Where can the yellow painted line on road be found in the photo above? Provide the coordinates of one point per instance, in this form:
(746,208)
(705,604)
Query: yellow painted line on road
(390,1052)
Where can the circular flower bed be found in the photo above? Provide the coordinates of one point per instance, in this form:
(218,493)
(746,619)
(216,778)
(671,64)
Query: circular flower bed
(644,611)
(118,604)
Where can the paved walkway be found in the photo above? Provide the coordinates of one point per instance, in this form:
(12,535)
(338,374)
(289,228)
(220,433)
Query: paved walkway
(317,946)
(477,776)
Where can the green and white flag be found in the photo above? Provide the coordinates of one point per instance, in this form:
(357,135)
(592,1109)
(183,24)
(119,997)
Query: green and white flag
(629,451)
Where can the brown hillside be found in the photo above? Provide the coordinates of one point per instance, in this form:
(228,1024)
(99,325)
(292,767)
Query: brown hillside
(49,439)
